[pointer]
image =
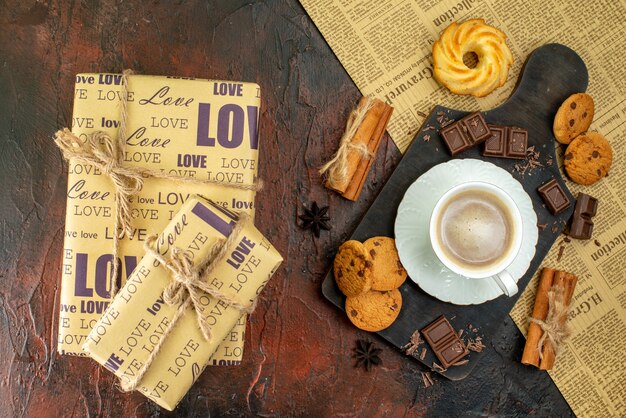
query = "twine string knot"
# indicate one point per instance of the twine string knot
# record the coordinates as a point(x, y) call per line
point(554, 330)
point(337, 168)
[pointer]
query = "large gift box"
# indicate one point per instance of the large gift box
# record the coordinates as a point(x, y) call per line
point(131, 337)
point(177, 126)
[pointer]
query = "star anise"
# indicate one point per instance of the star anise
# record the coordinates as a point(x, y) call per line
point(366, 354)
point(315, 219)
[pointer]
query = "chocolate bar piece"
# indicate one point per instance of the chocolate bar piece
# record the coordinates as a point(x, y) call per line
point(581, 225)
point(465, 133)
point(445, 342)
point(506, 142)
point(554, 196)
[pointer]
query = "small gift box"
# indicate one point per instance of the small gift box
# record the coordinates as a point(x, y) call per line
point(190, 289)
point(139, 147)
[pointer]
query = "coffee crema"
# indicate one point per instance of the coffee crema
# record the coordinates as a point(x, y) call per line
point(474, 230)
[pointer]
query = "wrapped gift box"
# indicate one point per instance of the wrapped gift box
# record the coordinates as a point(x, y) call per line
point(182, 126)
point(126, 335)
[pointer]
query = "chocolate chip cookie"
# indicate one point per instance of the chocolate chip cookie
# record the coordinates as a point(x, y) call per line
point(573, 117)
point(387, 271)
point(353, 268)
point(588, 158)
point(374, 311)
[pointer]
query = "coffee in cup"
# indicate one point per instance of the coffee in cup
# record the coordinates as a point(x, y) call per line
point(476, 231)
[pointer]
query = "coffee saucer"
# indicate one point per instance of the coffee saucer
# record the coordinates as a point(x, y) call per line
point(412, 236)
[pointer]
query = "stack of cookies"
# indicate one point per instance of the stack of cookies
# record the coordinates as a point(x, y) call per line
point(588, 156)
point(369, 274)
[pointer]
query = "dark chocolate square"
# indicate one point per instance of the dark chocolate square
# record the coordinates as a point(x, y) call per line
point(581, 226)
point(465, 133)
point(455, 138)
point(506, 142)
point(444, 341)
point(453, 353)
point(494, 146)
point(477, 128)
point(518, 142)
point(554, 196)
point(586, 205)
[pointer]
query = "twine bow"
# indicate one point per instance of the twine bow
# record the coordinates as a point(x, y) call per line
point(337, 167)
point(106, 153)
point(554, 331)
point(187, 287)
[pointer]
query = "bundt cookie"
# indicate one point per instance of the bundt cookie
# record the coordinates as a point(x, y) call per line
point(489, 45)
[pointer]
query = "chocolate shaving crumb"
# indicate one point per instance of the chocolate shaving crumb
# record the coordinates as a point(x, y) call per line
point(542, 226)
point(414, 343)
point(566, 239)
point(475, 345)
point(423, 354)
point(443, 120)
point(549, 162)
point(555, 229)
point(460, 333)
point(422, 114)
point(426, 138)
point(438, 368)
point(427, 380)
point(446, 122)
point(597, 243)
point(558, 257)
point(531, 162)
point(461, 363)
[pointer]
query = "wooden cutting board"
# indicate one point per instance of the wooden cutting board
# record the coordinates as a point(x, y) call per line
point(551, 74)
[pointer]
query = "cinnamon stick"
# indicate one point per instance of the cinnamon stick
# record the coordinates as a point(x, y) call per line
point(540, 311)
point(383, 112)
point(347, 171)
point(568, 282)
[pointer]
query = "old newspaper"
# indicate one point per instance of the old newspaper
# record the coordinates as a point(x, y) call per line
point(385, 47)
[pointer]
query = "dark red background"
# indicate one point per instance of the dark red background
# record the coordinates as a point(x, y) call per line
point(298, 347)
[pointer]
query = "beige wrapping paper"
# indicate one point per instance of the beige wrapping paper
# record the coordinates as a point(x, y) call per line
point(124, 337)
point(188, 127)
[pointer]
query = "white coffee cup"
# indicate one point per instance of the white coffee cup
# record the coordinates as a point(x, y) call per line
point(476, 231)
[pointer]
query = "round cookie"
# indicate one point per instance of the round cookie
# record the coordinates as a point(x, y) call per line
point(573, 117)
point(387, 271)
point(374, 310)
point(352, 268)
point(588, 158)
